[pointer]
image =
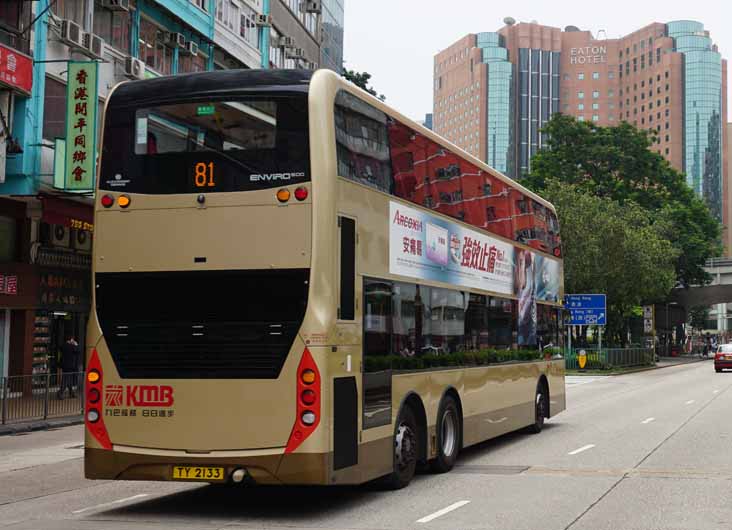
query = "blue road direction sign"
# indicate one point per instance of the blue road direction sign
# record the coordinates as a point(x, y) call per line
point(586, 309)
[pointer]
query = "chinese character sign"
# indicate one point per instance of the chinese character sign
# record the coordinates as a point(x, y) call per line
point(16, 69)
point(81, 125)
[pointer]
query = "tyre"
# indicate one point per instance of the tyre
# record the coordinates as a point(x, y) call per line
point(541, 407)
point(448, 435)
point(406, 450)
point(717, 370)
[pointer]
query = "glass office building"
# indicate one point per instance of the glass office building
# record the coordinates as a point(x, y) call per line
point(331, 48)
point(538, 99)
point(500, 108)
point(702, 111)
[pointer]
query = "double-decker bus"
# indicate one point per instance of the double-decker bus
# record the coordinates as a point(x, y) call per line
point(295, 284)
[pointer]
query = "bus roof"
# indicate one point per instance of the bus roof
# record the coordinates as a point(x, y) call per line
point(201, 85)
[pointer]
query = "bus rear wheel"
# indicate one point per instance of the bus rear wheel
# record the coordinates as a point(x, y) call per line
point(406, 450)
point(541, 407)
point(448, 435)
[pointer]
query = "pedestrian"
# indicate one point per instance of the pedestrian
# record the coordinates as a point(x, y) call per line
point(69, 366)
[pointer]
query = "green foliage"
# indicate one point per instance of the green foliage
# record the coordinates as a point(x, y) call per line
point(361, 80)
point(612, 248)
point(377, 363)
point(698, 315)
point(617, 163)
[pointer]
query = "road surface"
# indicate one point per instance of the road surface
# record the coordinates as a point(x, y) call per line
point(651, 451)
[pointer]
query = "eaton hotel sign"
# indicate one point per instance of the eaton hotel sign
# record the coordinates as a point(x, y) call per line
point(588, 55)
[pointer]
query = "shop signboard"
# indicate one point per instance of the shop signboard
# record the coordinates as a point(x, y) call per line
point(427, 247)
point(81, 125)
point(16, 69)
point(64, 291)
point(8, 284)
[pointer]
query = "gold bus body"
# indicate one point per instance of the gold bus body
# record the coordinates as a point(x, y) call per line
point(234, 423)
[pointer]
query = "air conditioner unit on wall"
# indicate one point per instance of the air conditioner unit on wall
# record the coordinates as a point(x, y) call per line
point(60, 236)
point(81, 239)
point(134, 68)
point(117, 5)
point(263, 20)
point(312, 6)
point(286, 42)
point(72, 34)
point(295, 53)
point(176, 39)
point(191, 48)
point(94, 44)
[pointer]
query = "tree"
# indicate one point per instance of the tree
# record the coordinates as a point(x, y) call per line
point(698, 316)
point(361, 79)
point(612, 248)
point(617, 163)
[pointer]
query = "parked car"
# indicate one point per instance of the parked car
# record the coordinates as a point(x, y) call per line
point(723, 357)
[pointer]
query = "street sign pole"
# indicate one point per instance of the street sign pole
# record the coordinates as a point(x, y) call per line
point(599, 342)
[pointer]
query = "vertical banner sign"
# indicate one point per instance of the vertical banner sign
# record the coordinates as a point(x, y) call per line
point(81, 125)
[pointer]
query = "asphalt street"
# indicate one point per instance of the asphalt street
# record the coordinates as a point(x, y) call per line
point(650, 450)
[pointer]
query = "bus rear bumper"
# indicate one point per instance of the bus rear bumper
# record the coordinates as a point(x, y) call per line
point(290, 469)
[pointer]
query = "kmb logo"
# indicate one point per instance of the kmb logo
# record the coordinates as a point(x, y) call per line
point(139, 395)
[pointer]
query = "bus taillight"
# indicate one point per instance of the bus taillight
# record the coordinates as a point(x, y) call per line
point(307, 416)
point(94, 388)
point(308, 397)
point(301, 193)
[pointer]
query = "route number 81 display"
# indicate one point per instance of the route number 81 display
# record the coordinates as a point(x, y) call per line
point(204, 175)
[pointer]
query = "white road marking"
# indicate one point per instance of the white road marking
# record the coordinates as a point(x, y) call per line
point(118, 501)
point(576, 380)
point(581, 449)
point(439, 513)
point(715, 392)
point(690, 401)
point(648, 420)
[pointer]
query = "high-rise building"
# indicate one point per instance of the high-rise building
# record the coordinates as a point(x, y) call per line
point(331, 47)
point(468, 75)
point(493, 92)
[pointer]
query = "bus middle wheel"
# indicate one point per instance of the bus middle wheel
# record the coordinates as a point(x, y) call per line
point(448, 435)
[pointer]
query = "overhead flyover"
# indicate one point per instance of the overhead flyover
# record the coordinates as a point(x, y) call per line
point(719, 291)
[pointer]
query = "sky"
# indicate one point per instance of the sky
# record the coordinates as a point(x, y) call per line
point(396, 40)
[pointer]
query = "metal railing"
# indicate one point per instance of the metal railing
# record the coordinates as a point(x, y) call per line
point(609, 358)
point(39, 396)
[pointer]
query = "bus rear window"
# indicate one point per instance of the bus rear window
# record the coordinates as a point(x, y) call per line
point(207, 146)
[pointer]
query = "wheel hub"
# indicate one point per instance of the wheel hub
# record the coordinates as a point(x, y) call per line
point(404, 446)
point(448, 433)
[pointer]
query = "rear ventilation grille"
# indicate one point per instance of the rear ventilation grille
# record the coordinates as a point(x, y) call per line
point(207, 325)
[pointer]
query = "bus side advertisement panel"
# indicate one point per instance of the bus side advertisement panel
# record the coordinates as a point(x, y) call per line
point(427, 247)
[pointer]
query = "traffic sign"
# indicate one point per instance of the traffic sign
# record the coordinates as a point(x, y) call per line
point(586, 309)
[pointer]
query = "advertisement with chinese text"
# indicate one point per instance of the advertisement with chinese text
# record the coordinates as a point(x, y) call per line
point(427, 247)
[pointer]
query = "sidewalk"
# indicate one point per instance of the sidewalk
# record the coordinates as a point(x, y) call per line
point(40, 425)
point(663, 362)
